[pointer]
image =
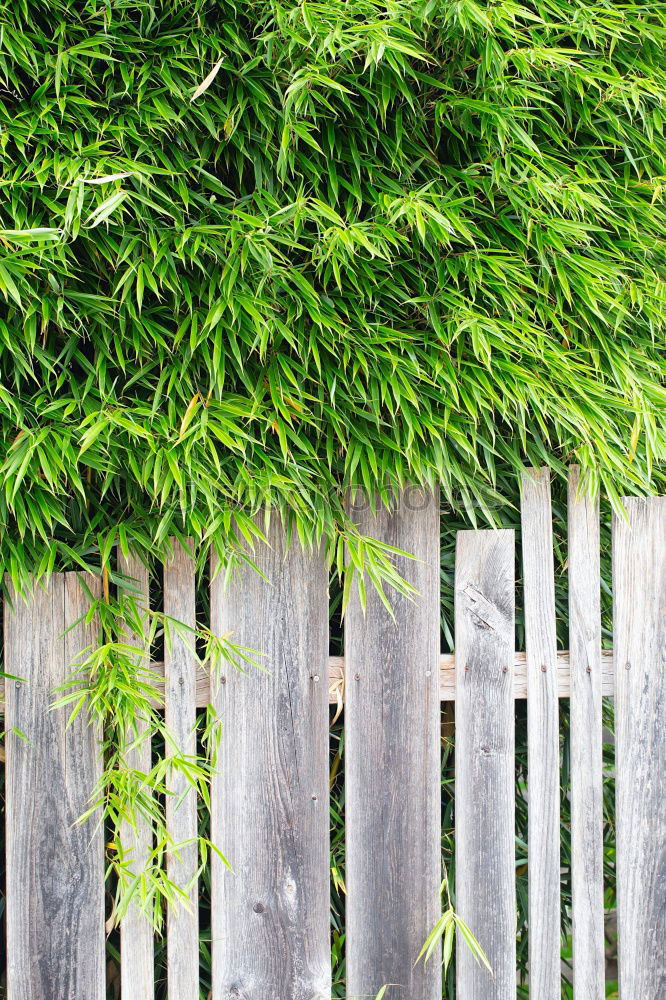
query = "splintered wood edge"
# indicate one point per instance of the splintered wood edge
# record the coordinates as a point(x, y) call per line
point(447, 671)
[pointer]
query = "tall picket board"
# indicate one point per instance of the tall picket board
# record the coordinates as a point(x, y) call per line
point(136, 933)
point(484, 766)
point(543, 736)
point(180, 712)
point(55, 867)
point(269, 812)
point(393, 825)
point(587, 861)
point(639, 635)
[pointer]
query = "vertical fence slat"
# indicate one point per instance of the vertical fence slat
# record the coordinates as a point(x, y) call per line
point(55, 867)
point(543, 737)
point(587, 875)
point(392, 764)
point(270, 802)
point(136, 932)
point(639, 629)
point(485, 755)
point(180, 672)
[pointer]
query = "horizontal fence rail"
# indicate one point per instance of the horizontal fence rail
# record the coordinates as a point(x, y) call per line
point(269, 811)
point(336, 674)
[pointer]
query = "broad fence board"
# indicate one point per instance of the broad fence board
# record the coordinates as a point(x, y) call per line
point(55, 866)
point(392, 762)
point(270, 799)
point(485, 761)
point(639, 635)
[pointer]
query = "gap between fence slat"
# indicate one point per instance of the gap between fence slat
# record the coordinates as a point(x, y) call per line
point(543, 736)
point(639, 627)
point(587, 872)
point(485, 761)
point(392, 764)
point(55, 866)
point(136, 931)
point(180, 667)
point(269, 797)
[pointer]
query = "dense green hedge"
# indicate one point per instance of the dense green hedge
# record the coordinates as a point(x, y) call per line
point(387, 240)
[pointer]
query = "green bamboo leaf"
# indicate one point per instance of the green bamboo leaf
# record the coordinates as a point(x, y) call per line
point(107, 207)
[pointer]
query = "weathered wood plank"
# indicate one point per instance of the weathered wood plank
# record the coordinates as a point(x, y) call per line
point(393, 866)
point(180, 667)
point(485, 727)
point(587, 874)
point(55, 867)
point(270, 800)
point(543, 736)
point(136, 933)
point(639, 610)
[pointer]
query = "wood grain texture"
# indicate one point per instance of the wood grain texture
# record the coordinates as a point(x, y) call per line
point(180, 668)
point(543, 736)
point(639, 626)
point(393, 859)
point(55, 867)
point(485, 756)
point(270, 800)
point(587, 874)
point(136, 932)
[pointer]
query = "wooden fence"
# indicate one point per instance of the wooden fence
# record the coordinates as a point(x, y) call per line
point(270, 799)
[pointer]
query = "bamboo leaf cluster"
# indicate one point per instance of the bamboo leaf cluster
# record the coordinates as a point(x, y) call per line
point(257, 252)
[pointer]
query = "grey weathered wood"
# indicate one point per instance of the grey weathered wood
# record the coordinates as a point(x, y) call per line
point(180, 669)
point(55, 867)
point(543, 737)
point(447, 669)
point(392, 765)
point(639, 627)
point(485, 727)
point(587, 874)
point(270, 800)
point(136, 932)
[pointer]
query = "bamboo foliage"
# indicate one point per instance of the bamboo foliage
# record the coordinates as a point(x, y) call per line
point(255, 252)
